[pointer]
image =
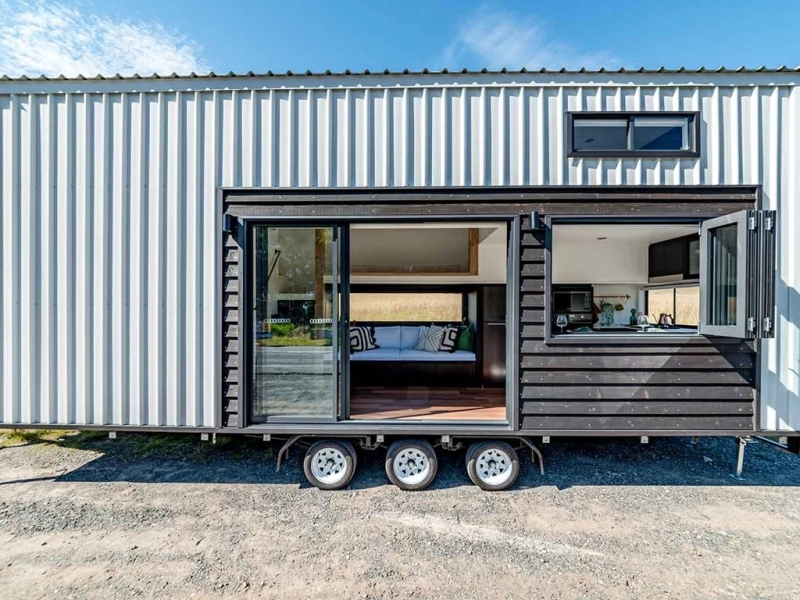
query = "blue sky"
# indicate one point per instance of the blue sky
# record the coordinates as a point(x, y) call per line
point(108, 36)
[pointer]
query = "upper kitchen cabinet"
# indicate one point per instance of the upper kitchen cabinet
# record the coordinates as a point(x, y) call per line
point(677, 259)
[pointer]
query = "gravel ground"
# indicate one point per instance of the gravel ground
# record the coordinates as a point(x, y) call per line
point(168, 516)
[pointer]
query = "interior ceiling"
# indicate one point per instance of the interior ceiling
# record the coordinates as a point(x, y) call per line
point(450, 225)
point(391, 248)
point(635, 234)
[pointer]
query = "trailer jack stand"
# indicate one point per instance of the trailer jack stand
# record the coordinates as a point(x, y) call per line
point(367, 444)
point(449, 444)
point(742, 443)
point(284, 451)
point(535, 453)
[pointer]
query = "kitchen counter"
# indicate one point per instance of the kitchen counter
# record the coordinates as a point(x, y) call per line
point(622, 329)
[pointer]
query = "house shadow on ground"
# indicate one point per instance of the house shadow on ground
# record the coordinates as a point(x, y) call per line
point(569, 462)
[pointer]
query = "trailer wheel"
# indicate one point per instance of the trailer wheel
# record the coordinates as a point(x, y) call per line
point(411, 464)
point(470, 452)
point(492, 466)
point(330, 465)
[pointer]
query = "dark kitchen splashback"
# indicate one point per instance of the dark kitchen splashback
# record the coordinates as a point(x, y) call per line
point(574, 301)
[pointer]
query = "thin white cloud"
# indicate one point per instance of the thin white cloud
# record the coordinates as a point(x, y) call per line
point(495, 39)
point(53, 39)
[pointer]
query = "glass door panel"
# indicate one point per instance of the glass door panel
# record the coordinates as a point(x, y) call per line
point(723, 278)
point(724, 258)
point(295, 335)
point(737, 271)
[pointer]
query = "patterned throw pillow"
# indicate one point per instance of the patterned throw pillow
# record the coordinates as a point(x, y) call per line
point(430, 338)
point(449, 337)
point(466, 338)
point(362, 338)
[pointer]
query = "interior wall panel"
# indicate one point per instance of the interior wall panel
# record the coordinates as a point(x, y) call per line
point(109, 217)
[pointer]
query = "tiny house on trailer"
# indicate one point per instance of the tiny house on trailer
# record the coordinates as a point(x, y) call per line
point(403, 260)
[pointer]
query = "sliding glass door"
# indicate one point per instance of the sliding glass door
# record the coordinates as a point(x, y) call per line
point(294, 295)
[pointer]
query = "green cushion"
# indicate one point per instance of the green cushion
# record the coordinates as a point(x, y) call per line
point(466, 338)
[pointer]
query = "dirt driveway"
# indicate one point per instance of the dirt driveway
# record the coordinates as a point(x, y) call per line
point(168, 516)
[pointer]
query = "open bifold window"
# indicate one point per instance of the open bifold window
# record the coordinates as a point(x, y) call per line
point(737, 275)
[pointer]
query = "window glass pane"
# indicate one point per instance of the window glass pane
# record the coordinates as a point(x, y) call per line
point(651, 133)
point(687, 306)
point(293, 372)
point(409, 308)
point(600, 134)
point(694, 258)
point(660, 301)
point(722, 284)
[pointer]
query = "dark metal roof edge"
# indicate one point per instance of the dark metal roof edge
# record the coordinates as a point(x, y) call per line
point(509, 189)
point(406, 72)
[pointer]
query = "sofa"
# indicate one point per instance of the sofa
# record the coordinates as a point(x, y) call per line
point(397, 342)
point(397, 362)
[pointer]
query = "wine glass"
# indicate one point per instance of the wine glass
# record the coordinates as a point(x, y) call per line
point(642, 321)
point(561, 321)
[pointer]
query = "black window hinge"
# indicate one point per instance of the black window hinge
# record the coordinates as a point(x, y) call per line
point(230, 224)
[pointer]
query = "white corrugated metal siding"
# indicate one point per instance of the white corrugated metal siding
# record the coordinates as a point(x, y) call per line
point(110, 233)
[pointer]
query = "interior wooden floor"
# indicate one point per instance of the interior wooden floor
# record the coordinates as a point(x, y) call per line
point(428, 403)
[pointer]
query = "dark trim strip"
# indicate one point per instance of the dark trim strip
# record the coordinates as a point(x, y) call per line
point(245, 235)
point(498, 194)
point(398, 428)
point(219, 394)
point(348, 429)
point(513, 310)
point(123, 428)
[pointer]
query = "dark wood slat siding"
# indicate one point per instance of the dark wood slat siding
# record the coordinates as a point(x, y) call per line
point(637, 424)
point(651, 362)
point(635, 392)
point(540, 385)
point(691, 384)
point(642, 378)
point(639, 408)
point(230, 331)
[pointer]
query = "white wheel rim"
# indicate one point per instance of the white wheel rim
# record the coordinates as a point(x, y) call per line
point(411, 466)
point(494, 466)
point(329, 465)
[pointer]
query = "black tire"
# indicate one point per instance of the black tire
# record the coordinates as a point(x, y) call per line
point(492, 466)
point(339, 461)
point(417, 459)
point(470, 451)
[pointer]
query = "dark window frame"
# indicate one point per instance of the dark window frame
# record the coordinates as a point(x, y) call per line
point(552, 337)
point(694, 133)
point(247, 282)
point(245, 225)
